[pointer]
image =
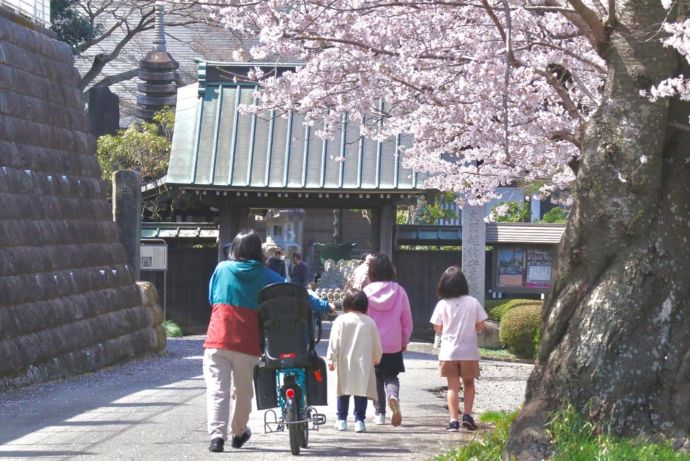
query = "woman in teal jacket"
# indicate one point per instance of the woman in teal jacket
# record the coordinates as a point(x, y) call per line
point(232, 340)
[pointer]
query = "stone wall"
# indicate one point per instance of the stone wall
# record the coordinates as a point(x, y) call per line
point(68, 303)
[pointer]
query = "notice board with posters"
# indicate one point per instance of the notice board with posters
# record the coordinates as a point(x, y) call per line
point(523, 269)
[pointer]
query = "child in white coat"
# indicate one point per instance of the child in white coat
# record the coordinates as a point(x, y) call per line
point(354, 348)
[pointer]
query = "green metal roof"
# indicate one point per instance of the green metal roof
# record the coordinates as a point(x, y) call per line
point(178, 230)
point(215, 146)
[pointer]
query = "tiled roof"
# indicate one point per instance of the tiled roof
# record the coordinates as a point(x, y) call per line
point(215, 145)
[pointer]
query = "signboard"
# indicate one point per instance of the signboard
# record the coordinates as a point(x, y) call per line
point(524, 267)
point(539, 268)
point(154, 257)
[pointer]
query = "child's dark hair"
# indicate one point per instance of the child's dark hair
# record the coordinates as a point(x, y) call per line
point(356, 300)
point(452, 284)
point(381, 268)
point(247, 245)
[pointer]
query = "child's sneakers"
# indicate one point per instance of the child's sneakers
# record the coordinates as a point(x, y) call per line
point(360, 427)
point(379, 418)
point(468, 422)
point(453, 426)
point(396, 417)
point(341, 425)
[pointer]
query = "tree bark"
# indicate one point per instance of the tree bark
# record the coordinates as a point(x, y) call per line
point(616, 336)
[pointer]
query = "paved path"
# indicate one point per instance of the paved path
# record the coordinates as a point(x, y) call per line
point(155, 409)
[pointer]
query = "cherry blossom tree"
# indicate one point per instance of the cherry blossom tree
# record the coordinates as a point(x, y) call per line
point(573, 93)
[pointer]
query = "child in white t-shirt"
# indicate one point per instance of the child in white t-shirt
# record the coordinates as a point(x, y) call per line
point(458, 318)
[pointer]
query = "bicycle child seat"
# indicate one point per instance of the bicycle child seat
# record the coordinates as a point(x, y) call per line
point(285, 320)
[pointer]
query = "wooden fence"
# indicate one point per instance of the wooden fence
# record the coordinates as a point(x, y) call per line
point(190, 269)
point(418, 273)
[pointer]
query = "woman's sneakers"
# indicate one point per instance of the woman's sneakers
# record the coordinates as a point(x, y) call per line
point(379, 418)
point(360, 427)
point(217, 445)
point(396, 417)
point(238, 441)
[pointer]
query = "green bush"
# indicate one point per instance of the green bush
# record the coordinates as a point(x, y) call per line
point(518, 329)
point(555, 215)
point(496, 308)
point(172, 329)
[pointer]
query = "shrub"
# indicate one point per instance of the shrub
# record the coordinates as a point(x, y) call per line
point(555, 215)
point(172, 330)
point(518, 329)
point(496, 308)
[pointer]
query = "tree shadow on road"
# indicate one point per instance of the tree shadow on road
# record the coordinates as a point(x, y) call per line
point(27, 410)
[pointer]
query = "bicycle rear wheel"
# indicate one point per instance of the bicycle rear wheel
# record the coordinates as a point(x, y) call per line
point(295, 428)
point(305, 434)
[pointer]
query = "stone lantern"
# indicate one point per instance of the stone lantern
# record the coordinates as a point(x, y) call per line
point(284, 228)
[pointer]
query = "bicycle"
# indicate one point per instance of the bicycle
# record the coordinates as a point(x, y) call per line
point(289, 375)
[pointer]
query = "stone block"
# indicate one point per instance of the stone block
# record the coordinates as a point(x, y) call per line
point(489, 337)
point(149, 294)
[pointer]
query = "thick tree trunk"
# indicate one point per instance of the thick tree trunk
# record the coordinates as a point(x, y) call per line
point(616, 340)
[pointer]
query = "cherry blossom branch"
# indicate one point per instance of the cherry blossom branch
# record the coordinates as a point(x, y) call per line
point(679, 126)
point(369, 47)
point(508, 63)
point(592, 20)
point(568, 103)
point(504, 36)
point(584, 19)
point(611, 19)
point(563, 135)
point(580, 58)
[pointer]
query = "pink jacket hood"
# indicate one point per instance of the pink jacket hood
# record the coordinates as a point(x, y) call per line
point(389, 306)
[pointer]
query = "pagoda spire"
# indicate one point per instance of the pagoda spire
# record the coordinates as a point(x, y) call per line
point(157, 72)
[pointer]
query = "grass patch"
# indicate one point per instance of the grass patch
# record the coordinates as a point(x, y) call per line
point(576, 440)
point(172, 329)
point(498, 354)
point(490, 445)
point(573, 437)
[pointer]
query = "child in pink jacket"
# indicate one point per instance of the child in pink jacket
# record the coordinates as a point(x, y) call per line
point(390, 309)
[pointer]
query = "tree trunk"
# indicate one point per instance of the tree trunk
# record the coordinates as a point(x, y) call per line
point(616, 339)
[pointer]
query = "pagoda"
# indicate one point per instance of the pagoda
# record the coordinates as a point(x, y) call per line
point(157, 71)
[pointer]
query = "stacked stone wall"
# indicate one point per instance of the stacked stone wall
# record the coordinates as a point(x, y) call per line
point(68, 303)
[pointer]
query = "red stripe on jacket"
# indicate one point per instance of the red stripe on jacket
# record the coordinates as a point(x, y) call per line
point(234, 328)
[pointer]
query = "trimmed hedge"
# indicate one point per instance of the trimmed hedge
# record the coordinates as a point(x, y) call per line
point(519, 328)
point(496, 308)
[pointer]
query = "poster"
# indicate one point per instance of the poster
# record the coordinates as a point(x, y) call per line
point(539, 268)
point(511, 267)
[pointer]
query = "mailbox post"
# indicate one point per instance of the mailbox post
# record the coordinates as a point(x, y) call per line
point(154, 257)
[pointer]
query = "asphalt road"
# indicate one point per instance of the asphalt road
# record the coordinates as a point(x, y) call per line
point(155, 409)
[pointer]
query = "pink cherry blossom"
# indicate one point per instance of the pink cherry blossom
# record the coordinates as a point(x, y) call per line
point(483, 93)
